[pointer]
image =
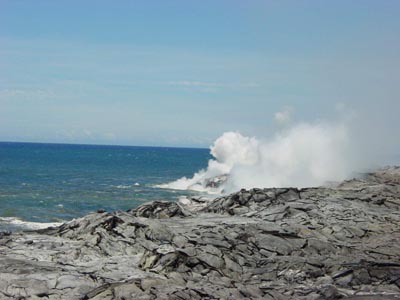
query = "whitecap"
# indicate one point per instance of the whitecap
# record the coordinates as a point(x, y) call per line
point(25, 225)
point(121, 186)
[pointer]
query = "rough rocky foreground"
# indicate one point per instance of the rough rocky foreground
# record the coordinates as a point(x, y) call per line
point(287, 243)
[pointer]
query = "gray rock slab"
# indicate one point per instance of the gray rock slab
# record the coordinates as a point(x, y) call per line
point(337, 242)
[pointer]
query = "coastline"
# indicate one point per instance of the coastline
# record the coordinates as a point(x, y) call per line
point(276, 243)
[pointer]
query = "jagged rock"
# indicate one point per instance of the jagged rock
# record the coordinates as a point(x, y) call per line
point(159, 210)
point(338, 242)
point(217, 181)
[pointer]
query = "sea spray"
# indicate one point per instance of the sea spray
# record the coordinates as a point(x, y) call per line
point(16, 224)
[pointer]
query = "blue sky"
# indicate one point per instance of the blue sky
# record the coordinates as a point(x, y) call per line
point(180, 73)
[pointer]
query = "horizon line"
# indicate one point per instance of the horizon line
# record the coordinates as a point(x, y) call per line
point(109, 145)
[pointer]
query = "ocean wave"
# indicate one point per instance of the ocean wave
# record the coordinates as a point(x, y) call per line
point(16, 223)
point(123, 187)
point(200, 182)
point(126, 186)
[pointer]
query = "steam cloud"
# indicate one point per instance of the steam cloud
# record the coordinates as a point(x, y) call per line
point(304, 155)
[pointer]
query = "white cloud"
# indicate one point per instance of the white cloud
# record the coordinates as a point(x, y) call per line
point(284, 116)
point(210, 86)
point(187, 83)
point(34, 94)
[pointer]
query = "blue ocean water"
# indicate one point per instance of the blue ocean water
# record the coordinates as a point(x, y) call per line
point(59, 182)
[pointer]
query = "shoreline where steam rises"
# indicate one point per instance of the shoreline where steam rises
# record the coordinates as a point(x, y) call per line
point(303, 155)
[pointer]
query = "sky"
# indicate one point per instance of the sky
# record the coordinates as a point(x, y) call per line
point(181, 73)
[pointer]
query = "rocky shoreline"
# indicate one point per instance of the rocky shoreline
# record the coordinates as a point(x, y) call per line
point(313, 243)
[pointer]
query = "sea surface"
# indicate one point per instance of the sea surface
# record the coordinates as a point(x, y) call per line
point(46, 183)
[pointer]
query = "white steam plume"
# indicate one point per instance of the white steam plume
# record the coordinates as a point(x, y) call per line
point(305, 155)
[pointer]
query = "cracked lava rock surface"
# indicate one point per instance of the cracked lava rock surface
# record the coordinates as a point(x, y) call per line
point(277, 243)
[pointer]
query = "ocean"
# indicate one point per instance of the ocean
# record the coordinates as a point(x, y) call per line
point(52, 183)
